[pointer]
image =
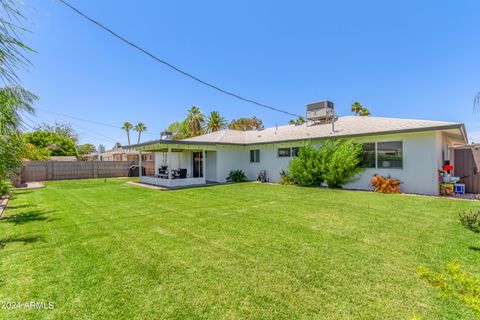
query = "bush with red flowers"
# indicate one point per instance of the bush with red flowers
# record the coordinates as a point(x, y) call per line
point(385, 184)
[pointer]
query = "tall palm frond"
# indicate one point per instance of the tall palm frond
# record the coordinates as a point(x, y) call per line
point(127, 126)
point(13, 101)
point(195, 120)
point(356, 107)
point(12, 50)
point(140, 127)
point(215, 122)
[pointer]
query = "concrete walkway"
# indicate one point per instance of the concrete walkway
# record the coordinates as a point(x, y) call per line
point(31, 185)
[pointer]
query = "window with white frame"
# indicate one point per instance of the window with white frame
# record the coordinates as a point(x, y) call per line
point(284, 152)
point(255, 155)
point(390, 154)
point(383, 155)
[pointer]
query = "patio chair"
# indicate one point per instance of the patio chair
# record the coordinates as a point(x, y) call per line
point(182, 174)
point(162, 173)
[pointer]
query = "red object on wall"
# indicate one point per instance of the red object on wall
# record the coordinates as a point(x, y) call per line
point(447, 167)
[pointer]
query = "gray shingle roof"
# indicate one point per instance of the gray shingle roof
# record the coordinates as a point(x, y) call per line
point(344, 126)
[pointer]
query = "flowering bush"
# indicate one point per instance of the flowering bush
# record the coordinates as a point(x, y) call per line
point(385, 185)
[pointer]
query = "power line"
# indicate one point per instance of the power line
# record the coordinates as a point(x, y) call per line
point(95, 134)
point(91, 121)
point(151, 55)
point(90, 130)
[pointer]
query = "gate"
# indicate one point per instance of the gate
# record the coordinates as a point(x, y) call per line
point(466, 168)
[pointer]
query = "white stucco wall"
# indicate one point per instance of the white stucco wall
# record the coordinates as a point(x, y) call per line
point(230, 158)
point(422, 157)
point(420, 163)
point(211, 166)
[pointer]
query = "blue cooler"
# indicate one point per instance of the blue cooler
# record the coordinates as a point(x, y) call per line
point(459, 188)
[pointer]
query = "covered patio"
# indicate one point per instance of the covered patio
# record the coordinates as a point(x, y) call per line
point(179, 164)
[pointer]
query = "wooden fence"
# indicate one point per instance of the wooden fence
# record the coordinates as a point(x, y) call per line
point(65, 170)
point(466, 169)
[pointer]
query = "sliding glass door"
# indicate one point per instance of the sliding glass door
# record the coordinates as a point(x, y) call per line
point(197, 164)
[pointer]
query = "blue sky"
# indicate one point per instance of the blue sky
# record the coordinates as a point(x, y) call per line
point(403, 59)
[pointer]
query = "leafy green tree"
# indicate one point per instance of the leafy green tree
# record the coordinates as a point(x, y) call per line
point(195, 121)
point(86, 148)
point(62, 129)
point(127, 126)
point(140, 127)
point(246, 124)
point(306, 168)
point(35, 153)
point(56, 144)
point(215, 122)
point(179, 130)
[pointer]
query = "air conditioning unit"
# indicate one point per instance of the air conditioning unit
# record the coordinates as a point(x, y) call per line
point(320, 111)
point(166, 135)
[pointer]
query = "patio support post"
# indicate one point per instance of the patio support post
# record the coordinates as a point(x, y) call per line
point(204, 166)
point(169, 164)
point(140, 164)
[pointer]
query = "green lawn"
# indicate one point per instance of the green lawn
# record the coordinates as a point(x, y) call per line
point(109, 250)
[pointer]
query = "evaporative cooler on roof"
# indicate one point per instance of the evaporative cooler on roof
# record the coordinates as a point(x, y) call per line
point(320, 111)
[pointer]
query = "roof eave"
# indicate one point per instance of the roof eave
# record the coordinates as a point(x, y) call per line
point(166, 143)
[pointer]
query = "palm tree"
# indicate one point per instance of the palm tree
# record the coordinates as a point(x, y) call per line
point(195, 120)
point(299, 120)
point(127, 126)
point(356, 107)
point(360, 110)
point(14, 100)
point(364, 112)
point(140, 127)
point(215, 122)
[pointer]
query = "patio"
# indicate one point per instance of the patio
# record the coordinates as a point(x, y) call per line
point(178, 164)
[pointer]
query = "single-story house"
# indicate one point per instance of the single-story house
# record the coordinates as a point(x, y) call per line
point(407, 149)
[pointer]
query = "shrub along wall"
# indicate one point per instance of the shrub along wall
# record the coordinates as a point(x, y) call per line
point(65, 170)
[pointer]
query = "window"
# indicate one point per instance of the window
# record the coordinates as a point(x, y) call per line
point(390, 154)
point(295, 152)
point(255, 155)
point(284, 152)
point(368, 155)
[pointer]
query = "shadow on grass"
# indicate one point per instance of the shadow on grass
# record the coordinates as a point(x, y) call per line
point(19, 206)
point(29, 216)
point(25, 240)
point(473, 248)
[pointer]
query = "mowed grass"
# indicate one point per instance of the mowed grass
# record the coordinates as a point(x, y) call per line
point(110, 250)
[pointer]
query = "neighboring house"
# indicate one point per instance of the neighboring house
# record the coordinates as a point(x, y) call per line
point(118, 154)
point(410, 150)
